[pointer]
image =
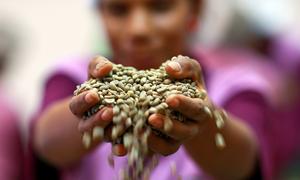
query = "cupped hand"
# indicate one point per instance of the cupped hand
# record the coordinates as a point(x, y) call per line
point(97, 127)
point(193, 109)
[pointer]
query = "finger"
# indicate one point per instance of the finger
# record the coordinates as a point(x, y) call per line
point(93, 128)
point(101, 119)
point(194, 109)
point(119, 150)
point(183, 67)
point(162, 146)
point(178, 131)
point(83, 102)
point(99, 67)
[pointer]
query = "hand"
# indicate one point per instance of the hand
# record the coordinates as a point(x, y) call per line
point(97, 127)
point(192, 108)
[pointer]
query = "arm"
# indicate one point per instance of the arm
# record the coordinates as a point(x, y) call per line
point(242, 147)
point(11, 145)
point(236, 161)
point(56, 137)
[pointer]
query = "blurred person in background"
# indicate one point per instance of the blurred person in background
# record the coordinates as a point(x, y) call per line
point(271, 41)
point(284, 50)
point(11, 154)
point(143, 34)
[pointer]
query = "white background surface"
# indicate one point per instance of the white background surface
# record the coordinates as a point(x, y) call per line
point(49, 31)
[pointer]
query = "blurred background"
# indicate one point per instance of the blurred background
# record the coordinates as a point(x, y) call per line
point(36, 34)
point(39, 33)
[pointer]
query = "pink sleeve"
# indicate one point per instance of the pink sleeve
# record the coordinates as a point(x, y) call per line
point(11, 154)
point(57, 87)
point(252, 108)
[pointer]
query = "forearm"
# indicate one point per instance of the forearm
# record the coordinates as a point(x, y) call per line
point(235, 161)
point(56, 135)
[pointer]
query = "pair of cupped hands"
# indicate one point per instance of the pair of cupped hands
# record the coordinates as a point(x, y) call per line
point(179, 133)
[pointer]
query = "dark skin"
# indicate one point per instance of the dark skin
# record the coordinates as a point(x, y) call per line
point(155, 31)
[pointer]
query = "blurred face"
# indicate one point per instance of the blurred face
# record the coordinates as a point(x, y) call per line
point(144, 33)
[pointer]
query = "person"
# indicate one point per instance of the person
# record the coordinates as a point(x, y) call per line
point(11, 154)
point(279, 47)
point(143, 34)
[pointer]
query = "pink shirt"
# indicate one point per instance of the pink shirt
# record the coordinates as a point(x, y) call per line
point(11, 155)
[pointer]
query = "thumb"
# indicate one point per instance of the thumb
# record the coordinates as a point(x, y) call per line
point(183, 67)
point(99, 67)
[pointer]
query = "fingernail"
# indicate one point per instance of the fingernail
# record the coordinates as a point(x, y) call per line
point(86, 140)
point(98, 133)
point(173, 101)
point(106, 116)
point(175, 66)
point(91, 97)
point(156, 122)
point(117, 150)
point(100, 65)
